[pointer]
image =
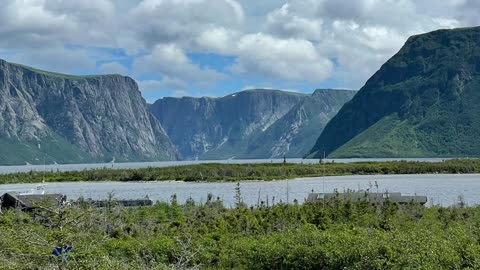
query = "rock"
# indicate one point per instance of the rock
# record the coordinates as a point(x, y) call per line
point(69, 119)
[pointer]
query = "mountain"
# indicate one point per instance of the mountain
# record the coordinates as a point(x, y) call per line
point(423, 102)
point(255, 123)
point(220, 128)
point(295, 133)
point(66, 119)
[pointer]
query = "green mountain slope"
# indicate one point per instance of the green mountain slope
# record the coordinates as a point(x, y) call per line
point(423, 102)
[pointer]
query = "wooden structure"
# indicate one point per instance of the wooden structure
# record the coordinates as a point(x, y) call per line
point(30, 202)
point(376, 198)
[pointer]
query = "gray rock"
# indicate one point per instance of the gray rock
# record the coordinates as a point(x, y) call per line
point(294, 134)
point(249, 124)
point(65, 118)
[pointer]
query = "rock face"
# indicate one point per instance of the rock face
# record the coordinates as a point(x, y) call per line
point(294, 134)
point(64, 119)
point(423, 102)
point(249, 124)
point(220, 128)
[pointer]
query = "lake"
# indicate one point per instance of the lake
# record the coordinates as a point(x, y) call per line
point(442, 189)
point(137, 165)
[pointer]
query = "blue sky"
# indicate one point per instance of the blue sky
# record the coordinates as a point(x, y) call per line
point(216, 47)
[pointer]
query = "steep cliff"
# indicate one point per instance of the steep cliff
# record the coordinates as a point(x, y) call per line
point(423, 102)
point(64, 119)
point(221, 128)
point(294, 134)
point(249, 124)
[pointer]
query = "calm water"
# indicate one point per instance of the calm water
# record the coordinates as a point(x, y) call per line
point(440, 189)
point(136, 165)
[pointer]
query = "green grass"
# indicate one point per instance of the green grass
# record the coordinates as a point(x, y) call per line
point(238, 172)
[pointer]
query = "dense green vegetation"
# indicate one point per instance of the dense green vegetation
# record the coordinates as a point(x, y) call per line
point(331, 235)
point(239, 172)
point(423, 102)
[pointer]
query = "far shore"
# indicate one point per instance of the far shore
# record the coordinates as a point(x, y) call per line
point(229, 172)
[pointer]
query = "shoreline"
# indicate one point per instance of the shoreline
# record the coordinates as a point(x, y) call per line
point(319, 178)
point(6, 169)
point(220, 172)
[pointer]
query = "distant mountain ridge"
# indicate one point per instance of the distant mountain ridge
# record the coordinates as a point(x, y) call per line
point(423, 102)
point(295, 133)
point(72, 119)
point(256, 123)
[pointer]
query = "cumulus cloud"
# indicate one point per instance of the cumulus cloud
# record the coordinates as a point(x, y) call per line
point(285, 23)
point(45, 23)
point(183, 21)
point(291, 59)
point(217, 40)
point(171, 62)
point(72, 61)
point(358, 35)
point(287, 41)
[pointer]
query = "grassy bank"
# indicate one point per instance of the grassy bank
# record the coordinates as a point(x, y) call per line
point(335, 235)
point(239, 172)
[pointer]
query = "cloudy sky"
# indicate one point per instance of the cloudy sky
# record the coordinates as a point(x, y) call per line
point(216, 47)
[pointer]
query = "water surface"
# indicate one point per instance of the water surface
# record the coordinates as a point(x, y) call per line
point(443, 189)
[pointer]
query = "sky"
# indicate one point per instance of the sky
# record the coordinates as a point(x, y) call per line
point(217, 47)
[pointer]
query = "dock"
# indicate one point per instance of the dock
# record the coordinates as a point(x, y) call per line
point(373, 197)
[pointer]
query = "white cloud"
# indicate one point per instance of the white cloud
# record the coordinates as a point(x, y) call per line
point(360, 35)
point(183, 21)
point(218, 40)
point(290, 59)
point(70, 61)
point(171, 62)
point(45, 23)
point(284, 23)
point(290, 40)
point(85, 12)
point(113, 68)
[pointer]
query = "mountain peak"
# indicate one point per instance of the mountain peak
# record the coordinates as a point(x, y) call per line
point(421, 103)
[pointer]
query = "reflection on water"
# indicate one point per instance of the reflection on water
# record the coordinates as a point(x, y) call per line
point(442, 189)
